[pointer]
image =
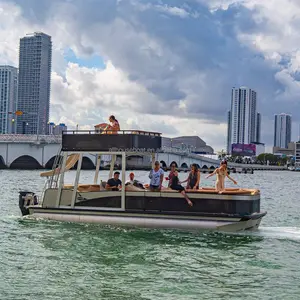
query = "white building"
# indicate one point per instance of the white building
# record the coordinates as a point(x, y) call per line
point(244, 122)
point(282, 130)
point(56, 129)
point(8, 98)
point(35, 59)
point(297, 156)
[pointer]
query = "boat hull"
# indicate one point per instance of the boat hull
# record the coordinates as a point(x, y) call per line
point(224, 224)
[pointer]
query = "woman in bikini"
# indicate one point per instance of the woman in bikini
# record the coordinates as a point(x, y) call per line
point(221, 173)
point(177, 187)
point(114, 126)
point(193, 180)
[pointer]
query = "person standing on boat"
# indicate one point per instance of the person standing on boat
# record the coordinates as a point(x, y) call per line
point(221, 173)
point(114, 184)
point(157, 176)
point(178, 187)
point(193, 181)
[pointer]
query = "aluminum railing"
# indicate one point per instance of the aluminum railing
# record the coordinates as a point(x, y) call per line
point(30, 138)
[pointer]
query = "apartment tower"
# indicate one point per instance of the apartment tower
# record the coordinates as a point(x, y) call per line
point(34, 83)
point(282, 130)
point(8, 99)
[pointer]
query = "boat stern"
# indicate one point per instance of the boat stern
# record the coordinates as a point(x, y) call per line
point(27, 199)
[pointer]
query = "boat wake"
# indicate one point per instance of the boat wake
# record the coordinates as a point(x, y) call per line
point(290, 233)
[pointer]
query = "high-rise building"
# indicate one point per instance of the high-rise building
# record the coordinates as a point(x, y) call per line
point(243, 120)
point(228, 132)
point(34, 83)
point(258, 127)
point(282, 130)
point(8, 99)
point(57, 129)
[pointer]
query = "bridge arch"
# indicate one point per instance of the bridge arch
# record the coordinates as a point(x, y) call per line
point(184, 165)
point(50, 162)
point(87, 164)
point(2, 163)
point(212, 167)
point(205, 167)
point(25, 162)
point(163, 164)
point(175, 163)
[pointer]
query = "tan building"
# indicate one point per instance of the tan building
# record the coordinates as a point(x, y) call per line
point(193, 143)
point(287, 151)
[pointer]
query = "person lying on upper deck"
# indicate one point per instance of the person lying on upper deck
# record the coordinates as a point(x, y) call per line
point(193, 180)
point(114, 184)
point(178, 187)
point(157, 176)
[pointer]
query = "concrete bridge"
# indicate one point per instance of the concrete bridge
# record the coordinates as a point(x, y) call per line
point(39, 152)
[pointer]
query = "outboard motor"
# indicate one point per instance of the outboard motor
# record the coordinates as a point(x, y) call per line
point(26, 199)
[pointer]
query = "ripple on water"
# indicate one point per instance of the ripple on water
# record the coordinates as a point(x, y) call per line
point(53, 260)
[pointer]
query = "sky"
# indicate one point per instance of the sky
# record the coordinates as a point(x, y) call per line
point(165, 66)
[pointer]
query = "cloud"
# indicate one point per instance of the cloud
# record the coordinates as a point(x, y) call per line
point(168, 67)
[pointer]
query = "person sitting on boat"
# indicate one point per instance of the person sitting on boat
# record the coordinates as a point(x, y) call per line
point(221, 173)
point(175, 185)
point(134, 182)
point(114, 126)
point(131, 179)
point(171, 174)
point(114, 184)
point(157, 176)
point(193, 180)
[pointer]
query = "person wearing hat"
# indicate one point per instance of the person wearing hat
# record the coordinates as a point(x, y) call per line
point(134, 182)
point(131, 179)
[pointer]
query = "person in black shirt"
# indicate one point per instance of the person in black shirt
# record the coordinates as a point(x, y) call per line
point(178, 187)
point(114, 184)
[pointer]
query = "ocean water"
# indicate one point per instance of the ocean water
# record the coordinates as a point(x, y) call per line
point(53, 260)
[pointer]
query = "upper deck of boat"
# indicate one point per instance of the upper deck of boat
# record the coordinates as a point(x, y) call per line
point(122, 140)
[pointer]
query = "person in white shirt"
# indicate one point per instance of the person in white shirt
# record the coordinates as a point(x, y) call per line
point(157, 176)
point(131, 179)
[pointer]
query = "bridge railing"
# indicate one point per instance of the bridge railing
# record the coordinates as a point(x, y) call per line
point(30, 138)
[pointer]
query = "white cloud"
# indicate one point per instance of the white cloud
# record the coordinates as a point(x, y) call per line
point(170, 74)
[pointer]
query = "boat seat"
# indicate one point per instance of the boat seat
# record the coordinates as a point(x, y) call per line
point(84, 187)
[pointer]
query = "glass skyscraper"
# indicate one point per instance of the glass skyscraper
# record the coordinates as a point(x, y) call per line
point(34, 83)
point(244, 123)
point(8, 98)
point(282, 130)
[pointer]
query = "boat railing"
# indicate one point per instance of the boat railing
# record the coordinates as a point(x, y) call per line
point(120, 132)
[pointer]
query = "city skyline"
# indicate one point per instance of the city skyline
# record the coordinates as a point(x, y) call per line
point(35, 59)
point(149, 80)
point(8, 98)
point(282, 130)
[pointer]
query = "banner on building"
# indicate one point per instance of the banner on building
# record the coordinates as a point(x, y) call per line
point(243, 149)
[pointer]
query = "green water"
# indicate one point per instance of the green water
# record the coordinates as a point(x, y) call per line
point(53, 260)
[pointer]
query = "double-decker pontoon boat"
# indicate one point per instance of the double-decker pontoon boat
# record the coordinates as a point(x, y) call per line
point(233, 210)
